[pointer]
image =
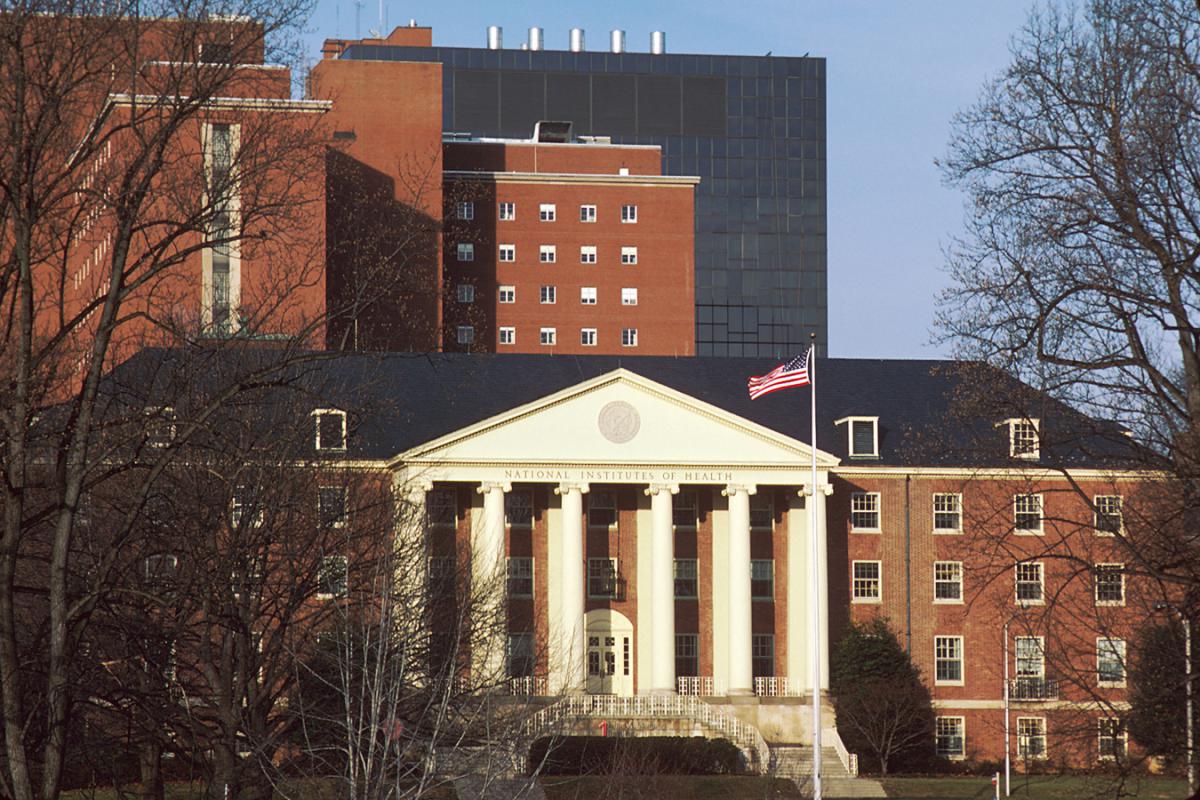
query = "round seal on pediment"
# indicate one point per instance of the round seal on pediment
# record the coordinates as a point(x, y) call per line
point(619, 422)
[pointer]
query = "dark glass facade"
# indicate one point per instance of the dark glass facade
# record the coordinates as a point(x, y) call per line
point(752, 128)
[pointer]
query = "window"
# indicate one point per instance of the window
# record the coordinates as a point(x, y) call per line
point(245, 504)
point(628, 255)
point(246, 580)
point(628, 213)
point(216, 53)
point(1110, 584)
point(587, 254)
point(629, 296)
point(160, 427)
point(220, 305)
point(602, 577)
point(1031, 660)
point(508, 212)
point(867, 583)
point(466, 293)
point(1031, 582)
point(331, 506)
point(520, 577)
point(602, 509)
point(547, 212)
point(547, 253)
point(1031, 737)
point(466, 252)
point(587, 295)
point(1027, 514)
point(947, 582)
point(684, 511)
point(1109, 521)
point(950, 737)
point(587, 337)
point(864, 511)
point(508, 335)
point(629, 337)
point(464, 209)
point(521, 660)
point(686, 580)
point(518, 509)
point(441, 574)
point(762, 579)
point(548, 336)
point(334, 577)
point(687, 655)
point(762, 512)
point(508, 294)
point(1114, 739)
point(508, 252)
point(1110, 662)
point(948, 660)
point(330, 429)
point(1023, 438)
point(160, 568)
point(548, 295)
point(947, 513)
point(441, 507)
point(465, 334)
point(762, 650)
point(863, 434)
point(587, 213)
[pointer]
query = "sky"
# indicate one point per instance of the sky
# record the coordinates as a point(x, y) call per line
point(896, 74)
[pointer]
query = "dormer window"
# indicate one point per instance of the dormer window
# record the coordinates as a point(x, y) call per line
point(863, 433)
point(1024, 438)
point(160, 427)
point(330, 429)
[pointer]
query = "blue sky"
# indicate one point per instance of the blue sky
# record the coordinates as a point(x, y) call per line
point(897, 72)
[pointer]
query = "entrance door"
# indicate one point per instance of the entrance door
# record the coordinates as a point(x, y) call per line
point(609, 654)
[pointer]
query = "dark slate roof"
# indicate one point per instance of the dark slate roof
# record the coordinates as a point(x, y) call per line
point(926, 408)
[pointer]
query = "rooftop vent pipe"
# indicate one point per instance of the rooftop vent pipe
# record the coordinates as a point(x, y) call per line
point(658, 42)
point(535, 38)
point(616, 41)
point(576, 40)
point(495, 37)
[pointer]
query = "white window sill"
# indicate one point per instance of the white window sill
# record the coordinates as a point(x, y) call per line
point(866, 601)
point(1029, 532)
point(947, 531)
point(1111, 684)
point(949, 683)
point(1110, 603)
point(866, 530)
point(1028, 603)
point(946, 602)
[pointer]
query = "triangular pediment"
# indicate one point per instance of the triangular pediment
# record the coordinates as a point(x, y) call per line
point(618, 418)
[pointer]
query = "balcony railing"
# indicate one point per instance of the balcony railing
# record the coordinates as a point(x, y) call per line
point(776, 687)
point(1031, 689)
point(699, 686)
point(535, 686)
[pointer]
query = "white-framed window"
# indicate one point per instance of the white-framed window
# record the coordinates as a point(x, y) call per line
point(518, 509)
point(950, 737)
point(464, 209)
point(587, 295)
point(1030, 654)
point(547, 212)
point(330, 429)
point(629, 337)
point(465, 293)
point(246, 504)
point(587, 213)
point(465, 334)
point(507, 252)
point(1110, 584)
point(1023, 438)
point(508, 335)
point(867, 582)
point(1110, 662)
point(603, 580)
point(508, 211)
point(1031, 737)
point(547, 253)
point(548, 295)
point(762, 654)
point(947, 582)
point(587, 337)
point(548, 336)
point(687, 654)
point(602, 509)
point(1109, 521)
point(333, 507)
point(1113, 744)
point(520, 576)
point(334, 576)
point(1027, 514)
point(687, 581)
point(864, 511)
point(947, 512)
point(628, 213)
point(948, 660)
point(762, 579)
point(863, 435)
point(629, 296)
point(520, 655)
point(587, 254)
point(685, 511)
point(762, 512)
point(465, 251)
point(628, 255)
point(508, 293)
point(160, 568)
point(441, 507)
point(1031, 583)
point(159, 425)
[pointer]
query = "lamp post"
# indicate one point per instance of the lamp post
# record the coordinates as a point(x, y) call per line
point(1187, 674)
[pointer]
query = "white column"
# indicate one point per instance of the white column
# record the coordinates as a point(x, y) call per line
point(571, 623)
point(741, 665)
point(799, 658)
point(662, 595)
point(488, 583)
point(822, 567)
point(410, 554)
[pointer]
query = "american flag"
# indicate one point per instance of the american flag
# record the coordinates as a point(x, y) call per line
point(792, 373)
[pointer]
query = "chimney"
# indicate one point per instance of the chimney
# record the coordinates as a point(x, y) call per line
point(495, 37)
point(535, 38)
point(576, 40)
point(658, 42)
point(616, 41)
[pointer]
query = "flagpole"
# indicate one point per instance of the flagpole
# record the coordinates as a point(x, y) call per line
point(815, 588)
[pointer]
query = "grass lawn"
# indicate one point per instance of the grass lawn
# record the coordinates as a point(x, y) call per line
point(1038, 787)
point(669, 787)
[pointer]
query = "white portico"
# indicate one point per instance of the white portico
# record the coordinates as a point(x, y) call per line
point(575, 449)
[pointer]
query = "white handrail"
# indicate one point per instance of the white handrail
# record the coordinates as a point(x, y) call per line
point(849, 760)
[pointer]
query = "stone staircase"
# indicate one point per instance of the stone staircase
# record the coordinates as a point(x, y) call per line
point(795, 762)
